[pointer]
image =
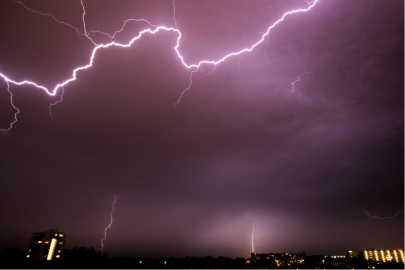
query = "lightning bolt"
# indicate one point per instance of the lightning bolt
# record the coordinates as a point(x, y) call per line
point(50, 15)
point(109, 225)
point(15, 108)
point(253, 238)
point(209, 73)
point(53, 104)
point(298, 78)
point(86, 33)
point(193, 67)
point(174, 14)
point(377, 217)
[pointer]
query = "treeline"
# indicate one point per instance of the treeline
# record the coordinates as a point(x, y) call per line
point(81, 257)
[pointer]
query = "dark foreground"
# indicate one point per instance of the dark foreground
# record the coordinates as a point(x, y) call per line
point(90, 259)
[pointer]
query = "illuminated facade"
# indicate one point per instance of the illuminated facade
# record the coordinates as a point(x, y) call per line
point(280, 259)
point(46, 245)
point(383, 255)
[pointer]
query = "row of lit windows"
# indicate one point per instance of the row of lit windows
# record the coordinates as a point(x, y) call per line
point(47, 242)
point(57, 251)
point(41, 234)
point(384, 255)
point(57, 256)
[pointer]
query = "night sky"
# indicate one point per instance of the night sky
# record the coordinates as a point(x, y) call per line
point(244, 146)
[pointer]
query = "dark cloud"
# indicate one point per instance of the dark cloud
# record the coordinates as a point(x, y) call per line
point(240, 148)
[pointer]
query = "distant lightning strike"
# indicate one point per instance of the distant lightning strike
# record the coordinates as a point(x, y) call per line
point(86, 33)
point(253, 238)
point(109, 225)
point(377, 217)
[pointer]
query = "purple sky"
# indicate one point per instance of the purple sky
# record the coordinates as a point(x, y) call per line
point(242, 147)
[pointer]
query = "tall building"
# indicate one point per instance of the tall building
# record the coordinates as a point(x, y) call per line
point(383, 255)
point(351, 254)
point(46, 245)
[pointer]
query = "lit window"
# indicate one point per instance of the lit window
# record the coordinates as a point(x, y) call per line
point(140, 261)
point(57, 256)
point(60, 243)
point(46, 242)
point(56, 235)
point(58, 251)
point(39, 242)
point(28, 256)
point(61, 235)
point(51, 249)
point(29, 250)
point(165, 262)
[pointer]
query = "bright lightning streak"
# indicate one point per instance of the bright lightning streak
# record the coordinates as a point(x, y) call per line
point(253, 238)
point(109, 225)
point(195, 67)
point(377, 217)
point(53, 104)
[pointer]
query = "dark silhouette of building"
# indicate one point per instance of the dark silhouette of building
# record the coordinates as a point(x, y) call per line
point(46, 245)
point(351, 254)
point(277, 259)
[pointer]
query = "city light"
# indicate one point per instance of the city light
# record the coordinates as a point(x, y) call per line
point(51, 249)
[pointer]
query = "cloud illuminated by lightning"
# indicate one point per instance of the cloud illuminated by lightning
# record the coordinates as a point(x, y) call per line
point(377, 217)
point(194, 67)
point(109, 225)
